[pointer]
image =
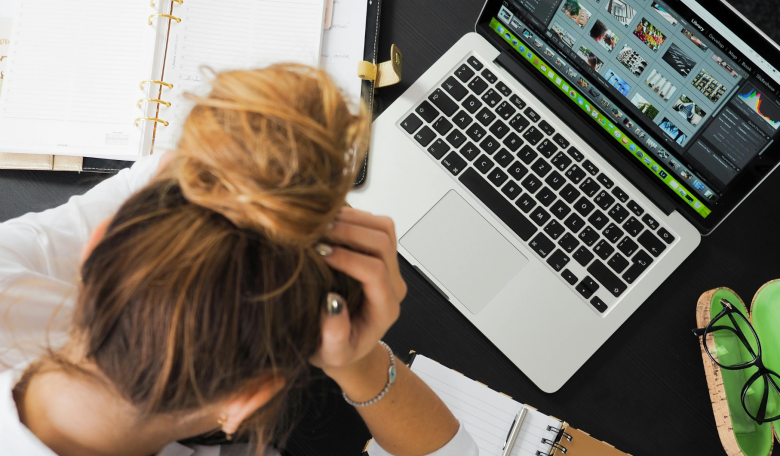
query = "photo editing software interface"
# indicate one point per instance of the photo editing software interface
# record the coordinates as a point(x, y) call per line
point(680, 98)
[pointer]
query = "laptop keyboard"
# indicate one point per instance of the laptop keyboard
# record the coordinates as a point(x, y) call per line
point(570, 213)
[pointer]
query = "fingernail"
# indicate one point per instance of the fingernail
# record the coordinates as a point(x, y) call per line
point(335, 304)
point(323, 250)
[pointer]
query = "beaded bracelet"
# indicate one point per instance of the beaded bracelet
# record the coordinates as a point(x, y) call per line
point(391, 376)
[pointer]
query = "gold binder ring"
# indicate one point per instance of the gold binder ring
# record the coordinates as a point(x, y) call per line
point(152, 119)
point(162, 83)
point(173, 18)
point(153, 100)
point(177, 1)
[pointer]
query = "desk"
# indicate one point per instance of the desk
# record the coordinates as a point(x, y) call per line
point(644, 391)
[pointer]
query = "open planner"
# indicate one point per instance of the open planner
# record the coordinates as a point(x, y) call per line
point(489, 415)
point(107, 79)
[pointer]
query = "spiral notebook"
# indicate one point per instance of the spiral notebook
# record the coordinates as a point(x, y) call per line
point(111, 75)
point(489, 415)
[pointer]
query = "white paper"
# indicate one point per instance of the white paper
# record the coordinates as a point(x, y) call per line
point(344, 44)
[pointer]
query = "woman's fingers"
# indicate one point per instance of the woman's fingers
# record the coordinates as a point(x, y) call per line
point(336, 348)
point(377, 222)
point(363, 239)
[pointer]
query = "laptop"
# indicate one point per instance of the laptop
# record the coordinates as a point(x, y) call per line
point(553, 168)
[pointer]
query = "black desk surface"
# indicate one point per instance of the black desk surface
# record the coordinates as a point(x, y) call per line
point(644, 391)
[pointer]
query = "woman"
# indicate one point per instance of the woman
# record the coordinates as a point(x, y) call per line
point(205, 292)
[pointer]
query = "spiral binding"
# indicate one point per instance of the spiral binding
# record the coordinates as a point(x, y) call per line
point(152, 119)
point(169, 16)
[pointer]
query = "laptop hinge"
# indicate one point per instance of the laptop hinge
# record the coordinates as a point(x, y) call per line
point(586, 131)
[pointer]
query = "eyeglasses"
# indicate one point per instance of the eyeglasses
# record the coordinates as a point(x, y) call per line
point(733, 338)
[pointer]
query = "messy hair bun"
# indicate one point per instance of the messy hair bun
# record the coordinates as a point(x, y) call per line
point(274, 150)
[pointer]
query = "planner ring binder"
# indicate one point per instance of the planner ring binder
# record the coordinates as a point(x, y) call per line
point(177, 1)
point(151, 119)
point(153, 100)
point(162, 83)
point(169, 16)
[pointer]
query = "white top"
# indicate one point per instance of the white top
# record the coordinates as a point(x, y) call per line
point(39, 265)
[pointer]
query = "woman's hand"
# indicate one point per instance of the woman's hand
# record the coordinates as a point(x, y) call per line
point(370, 256)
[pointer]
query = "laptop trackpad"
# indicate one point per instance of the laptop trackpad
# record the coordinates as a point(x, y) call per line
point(464, 252)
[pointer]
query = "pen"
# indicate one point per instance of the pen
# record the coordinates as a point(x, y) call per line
point(514, 431)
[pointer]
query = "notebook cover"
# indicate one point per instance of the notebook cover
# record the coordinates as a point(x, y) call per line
point(370, 54)
point(582, 444)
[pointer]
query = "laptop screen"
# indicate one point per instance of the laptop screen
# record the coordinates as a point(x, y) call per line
point(690, 105)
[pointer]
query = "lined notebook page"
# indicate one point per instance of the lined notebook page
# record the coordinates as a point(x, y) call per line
point(240, 34)
point(72, 80)
point(343, 46)
point(486, 414)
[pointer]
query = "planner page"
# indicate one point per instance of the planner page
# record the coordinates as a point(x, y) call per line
point(236, 35)
point(343, 46)
point(71, 84)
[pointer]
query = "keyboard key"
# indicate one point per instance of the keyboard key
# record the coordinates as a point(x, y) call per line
point(462, 120)
point(486, 116)
point(478, 85)
point(541, 167)
point(474, 62)
point(454, 163)
point(554, 229)
point(541, 245)
point(517, 170)
point(476, 132)
point(442, 125)
point(574, 223)
point(618, 263)
point(499, 129)
point(561, 141)
point(547, 148)
point(472, 104)
point(635, 208)
point(590, 187)
point(427, 111)
point(568, 242)
point(569, 277)
point(545, 197)
point(531, 114)
point(627, 246)
point(603, 250)
point(575, 154)
point(489, 76)
point(525, 203)
point(504, 158)
point(504, 89)
point(533, 136)
point(496, 202)
point(560, 210)
point(598, 304)
point(558, 260)
point(598, 220)
point(666, 236)
point(527, 154)
point(637, 268)
point(439, 148)
point(612, 233)
point(411, 124)
point(511, 190)
point(590, 167)
point(505, 110)
point(513, 142)
point(555, 181)
point(443, 102)
point(589, 236)
point(633, 226)
point(587, 287)
point(483, 164)
point(519, 123)
point(607, 278)
point(584, 206)
point(605, 181)
point(618, 213)
point(469, 151)
point(532, 184)
point(547, 128)
point(497, 177)
point(540, 216)
point(425, 136)
point(570, 193)
point(517, 101)
point(561, 161)
point(642, 258)
point(455, 88)
point(575, 174)
point(620, 194)
point(464, 73)
point(651, 243)
point(650, 222)
point(492, 98)
point(490, 145)
point(456, 138)
point(604, 200)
